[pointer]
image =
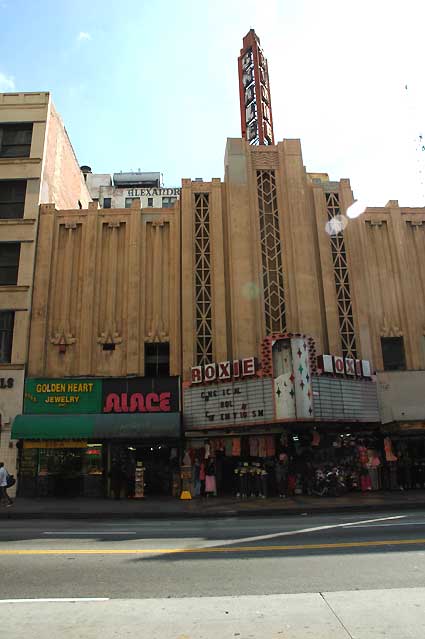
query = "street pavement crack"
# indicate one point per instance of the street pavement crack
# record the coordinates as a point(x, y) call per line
point(336, 616)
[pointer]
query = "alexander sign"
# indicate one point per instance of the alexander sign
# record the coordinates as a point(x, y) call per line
point(151, 192)
point(224, 371)
point(344, 366)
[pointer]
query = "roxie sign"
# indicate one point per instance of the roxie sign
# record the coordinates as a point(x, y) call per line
point(344, 366)
point(224, 371)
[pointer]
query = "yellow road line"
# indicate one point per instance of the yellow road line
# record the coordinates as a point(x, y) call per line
point(228, 549)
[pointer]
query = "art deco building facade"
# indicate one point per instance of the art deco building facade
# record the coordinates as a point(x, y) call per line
point(256, 250)
point(253, 276)
point(107, 286)
point(241, 318)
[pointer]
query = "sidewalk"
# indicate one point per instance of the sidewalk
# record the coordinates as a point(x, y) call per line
point(167, 508)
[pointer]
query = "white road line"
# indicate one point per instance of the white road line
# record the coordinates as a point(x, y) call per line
point(372, 521)
point(402, 523)
point(54, 599)
point(288, 533)
point(93, 532)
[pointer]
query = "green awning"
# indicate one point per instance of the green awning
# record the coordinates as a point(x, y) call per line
point(98, 426)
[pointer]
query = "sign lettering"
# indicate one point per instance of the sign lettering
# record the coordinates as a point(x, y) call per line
point(109, 395)
point(151, 192)
point(224, 370)
point(141, 395)
point(137, 403)
point(339, 365)
point(63, 395)
point(229, 403)
point(344, 366)
point(6, 382)
point(349, 366)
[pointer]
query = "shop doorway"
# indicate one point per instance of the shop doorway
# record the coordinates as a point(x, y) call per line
point(160, 464)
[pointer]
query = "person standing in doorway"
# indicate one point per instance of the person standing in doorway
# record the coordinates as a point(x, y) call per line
point(210, 482)
point(281, 473)
point(3, 486)
point(118, 477)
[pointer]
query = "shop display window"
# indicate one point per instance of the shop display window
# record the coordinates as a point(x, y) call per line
point(66, 462)
point(93, 460)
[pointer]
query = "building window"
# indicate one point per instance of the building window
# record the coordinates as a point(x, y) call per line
point(128, 202)
point(106, 202)
point(271, 253)
point(341, 277)
point(168, 202)
point(12, 198)
point(203, 284)
point(15, 140)
point(150, 201)
point(157, 359)
point(393, 353)
point(6, 336)
point(9, 263)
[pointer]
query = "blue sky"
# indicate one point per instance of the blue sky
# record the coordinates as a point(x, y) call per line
point(153, 84)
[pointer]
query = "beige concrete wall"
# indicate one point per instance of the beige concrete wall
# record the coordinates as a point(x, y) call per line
point(62, 181)
point(219, 314)
point(390, 279)
point(104, 276)
point(242, 251)
point(304, 251)
point(400, 396)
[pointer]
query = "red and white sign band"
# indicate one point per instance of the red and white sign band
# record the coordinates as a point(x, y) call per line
point(223, 371)
point(337, 365)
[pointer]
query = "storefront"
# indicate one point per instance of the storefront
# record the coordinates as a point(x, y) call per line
point(11, 392)
point(96, 437)
point(249, 424)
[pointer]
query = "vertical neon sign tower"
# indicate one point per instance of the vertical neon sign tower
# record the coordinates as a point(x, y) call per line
point(254, 92)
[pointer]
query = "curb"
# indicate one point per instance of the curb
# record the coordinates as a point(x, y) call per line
point(212, 514)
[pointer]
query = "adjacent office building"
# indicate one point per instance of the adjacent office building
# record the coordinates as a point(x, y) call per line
point(37, 164)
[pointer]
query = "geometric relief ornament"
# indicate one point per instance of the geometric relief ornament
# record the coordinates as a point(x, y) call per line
point(342, 280)
point(271, 253)
point(203, 287)
point(62, 335)
point(109, 333)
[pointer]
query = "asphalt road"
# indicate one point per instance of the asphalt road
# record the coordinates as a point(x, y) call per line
point(244, 560)
point(212, 557)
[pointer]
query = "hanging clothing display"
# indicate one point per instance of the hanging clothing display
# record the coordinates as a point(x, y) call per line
point(228, 447)
point(270, 446)
point(262, 447)
point(315, 438)
point(236, 447)
point(253, 446)
point(388, 447)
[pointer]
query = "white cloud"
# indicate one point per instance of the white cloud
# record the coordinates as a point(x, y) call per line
point(83, 35)
point(7, 82)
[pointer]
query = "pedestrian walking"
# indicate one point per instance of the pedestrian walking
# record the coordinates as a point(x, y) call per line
point(4, 476)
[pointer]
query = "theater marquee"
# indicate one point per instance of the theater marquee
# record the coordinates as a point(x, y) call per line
point(228, 404)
